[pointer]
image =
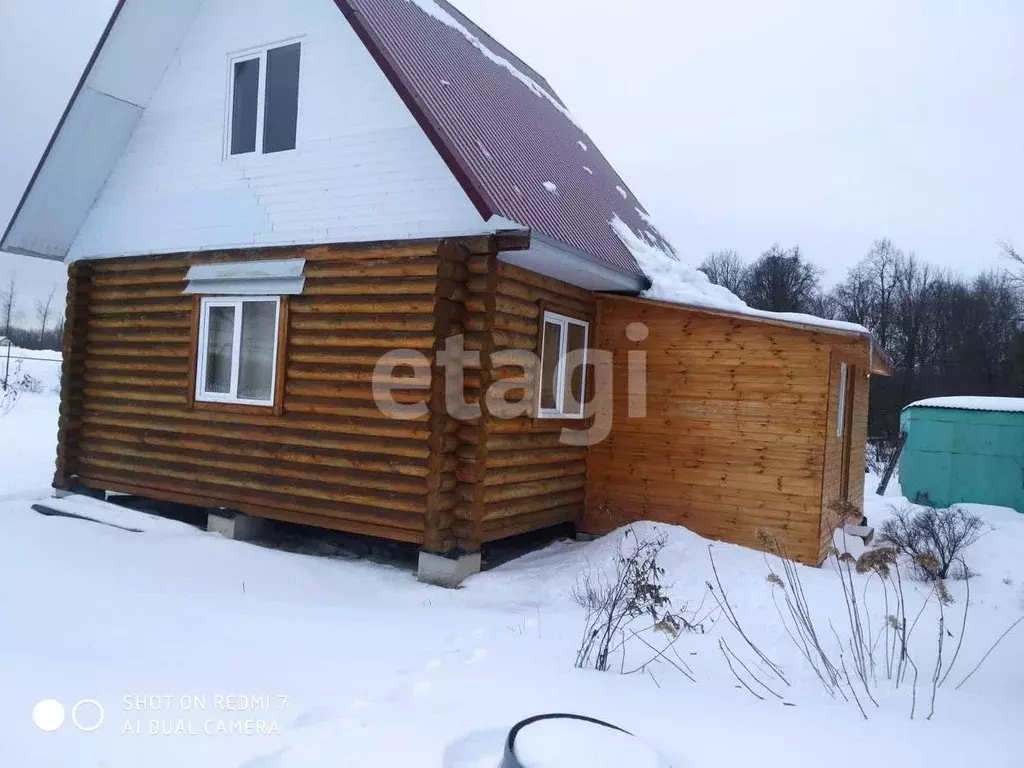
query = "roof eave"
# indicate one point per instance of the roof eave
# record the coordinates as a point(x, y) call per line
point(53, 139)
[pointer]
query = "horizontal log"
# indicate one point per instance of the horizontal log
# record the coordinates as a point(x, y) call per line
point(161, 380)
point(414, 267)
point(511, 272)
point(173, 351)
point(170, 395)
point(295, 465)
point(311, 394)
point(398, 526)
point(509, 475)
point(497, 494)
point(337, 407)
point(98, 282)
point(145, 365)
point(493, 530)
point(380, 427)
point(361, 305)
point(287, 431)
point(137, 292)
point(505, 509)
point(307, 455)
point(326, 372)
point(172, 320)
point(364, 339)
point(503, 304)
point(140, 306)
point(347, 384)
point(378, 500)
point(379, 286)
point(518, 458)
point(357, 357)
point(370, 322)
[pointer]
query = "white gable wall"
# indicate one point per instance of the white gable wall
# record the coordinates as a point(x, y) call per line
point(363, 169)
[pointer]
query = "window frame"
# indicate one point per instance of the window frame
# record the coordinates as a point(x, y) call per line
point(204, 304)
point(844, 374)
point(259, 53)
point(548, 317)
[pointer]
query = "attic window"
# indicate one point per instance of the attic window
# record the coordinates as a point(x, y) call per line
point(264, 100)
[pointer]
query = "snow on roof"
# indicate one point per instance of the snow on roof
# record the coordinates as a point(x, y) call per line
point(497, 98)
point(675, 282)
point(551, 187)
point(970, 403)
point(433, 9)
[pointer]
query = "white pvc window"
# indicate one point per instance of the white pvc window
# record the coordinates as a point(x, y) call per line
point(563, 367)
point(841, 419)
point(238, 350)
point(263, 100)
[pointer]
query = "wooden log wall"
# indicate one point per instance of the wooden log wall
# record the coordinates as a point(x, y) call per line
point(331, 458)
point(515, 474)
point(734, 436)
point(76, 326)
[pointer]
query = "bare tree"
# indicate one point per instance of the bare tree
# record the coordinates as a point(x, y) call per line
point(782, 281)
point(43, 312)
point(8, 298)
point(1015, 256)
point(725, 268)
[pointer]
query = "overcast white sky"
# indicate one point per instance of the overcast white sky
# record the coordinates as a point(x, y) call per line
point(738, 123)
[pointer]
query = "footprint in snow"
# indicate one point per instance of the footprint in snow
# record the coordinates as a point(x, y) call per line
point(478, 655)
point(421, 688)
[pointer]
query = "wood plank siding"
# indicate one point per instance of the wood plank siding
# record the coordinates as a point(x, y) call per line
point(330, 458)
point(832, 471)
point(734, 437)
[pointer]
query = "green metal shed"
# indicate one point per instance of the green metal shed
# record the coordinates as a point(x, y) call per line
point(964, 449)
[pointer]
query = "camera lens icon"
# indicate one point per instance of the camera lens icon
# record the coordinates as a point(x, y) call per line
point(49, 715)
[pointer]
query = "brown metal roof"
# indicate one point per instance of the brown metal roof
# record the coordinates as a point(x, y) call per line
point(504, 142)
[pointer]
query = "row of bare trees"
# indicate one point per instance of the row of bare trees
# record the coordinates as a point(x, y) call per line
point(44, 332)
point(945, 334)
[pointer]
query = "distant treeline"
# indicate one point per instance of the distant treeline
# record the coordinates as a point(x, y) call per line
point(45, 332)
point(945, 334)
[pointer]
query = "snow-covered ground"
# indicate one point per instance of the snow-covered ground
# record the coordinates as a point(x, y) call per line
point(354, 663)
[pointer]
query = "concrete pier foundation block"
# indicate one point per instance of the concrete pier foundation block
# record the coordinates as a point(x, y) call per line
point(233, 525)
point(447, 570)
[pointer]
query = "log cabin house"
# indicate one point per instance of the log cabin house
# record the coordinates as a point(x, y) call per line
point(259, 201)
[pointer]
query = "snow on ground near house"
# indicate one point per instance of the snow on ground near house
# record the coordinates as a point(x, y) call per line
point(379, 670)
point(1007, 404)
point(28, 434)
point(674, 281)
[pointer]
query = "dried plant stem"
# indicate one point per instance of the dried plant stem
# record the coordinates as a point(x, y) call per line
point(938, 660)
point(721, 644)
point(997, 642)
point(727, 610)
point(963, 629)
